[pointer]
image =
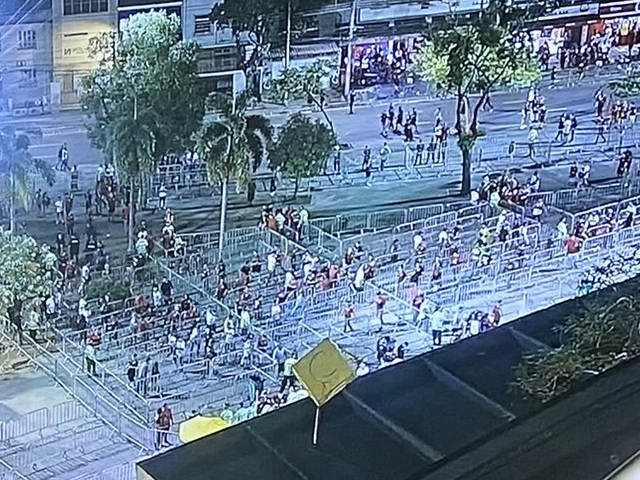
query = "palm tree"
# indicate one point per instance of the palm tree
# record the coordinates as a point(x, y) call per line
point(232, 145)
point(132, 141)
point(17, 171)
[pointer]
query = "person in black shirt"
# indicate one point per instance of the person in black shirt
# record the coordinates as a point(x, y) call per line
point(166, 288)
point(88, 202)
point(60, 244)
point(74, 248)
point(185, 305)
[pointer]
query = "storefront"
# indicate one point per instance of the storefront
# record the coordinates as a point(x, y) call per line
point(380, 60)
point(619, 21)
point(564, 27)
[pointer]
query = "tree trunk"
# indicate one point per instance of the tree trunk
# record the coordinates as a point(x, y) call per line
point(12, 207)
point(296, 186)
point(466, 170)
point(131, 217)
point(223, 216)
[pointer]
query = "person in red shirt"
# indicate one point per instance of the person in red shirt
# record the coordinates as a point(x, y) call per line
point(380, 302)
point(573, 244)
point(497, 313)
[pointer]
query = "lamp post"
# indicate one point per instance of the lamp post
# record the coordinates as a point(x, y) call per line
point(352, 30)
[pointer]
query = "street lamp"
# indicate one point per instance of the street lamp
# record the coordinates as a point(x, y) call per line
point(352, 30)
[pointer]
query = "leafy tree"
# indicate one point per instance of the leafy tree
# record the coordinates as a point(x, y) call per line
point(18, 170)
point(464, 57)
point(232, 145)
point(626, 87)
point(303, 84)
point(26, 271)
point(605, 334)
point(145, 100)
point(117, 288)
point(258, 24)
point(303, 148)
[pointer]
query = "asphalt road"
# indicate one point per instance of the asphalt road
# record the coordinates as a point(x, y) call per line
point(501, 125)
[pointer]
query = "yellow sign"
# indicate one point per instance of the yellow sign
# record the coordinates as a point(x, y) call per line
point(324, 372)
point(198, 427)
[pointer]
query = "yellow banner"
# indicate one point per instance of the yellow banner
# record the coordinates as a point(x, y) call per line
point(324, 372)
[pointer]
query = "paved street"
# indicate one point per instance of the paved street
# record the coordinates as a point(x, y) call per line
point(501, 126)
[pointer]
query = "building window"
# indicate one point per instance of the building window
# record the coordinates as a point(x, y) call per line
point(28, 78)
point(203, 25)
point(26, 39)
point(75, 7)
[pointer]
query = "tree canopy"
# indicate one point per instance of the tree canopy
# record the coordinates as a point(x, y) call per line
point(260, 22)
point(18, 170)
point(149, 75)
point(626, 87)
point(604, 333)
point(464, 57)
point(303, 148)
point(303, 83)
point(233, 143)
point(25, 270)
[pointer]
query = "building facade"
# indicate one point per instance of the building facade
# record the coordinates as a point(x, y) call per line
point(219, 56)
point(25, 57)
point(75, 24)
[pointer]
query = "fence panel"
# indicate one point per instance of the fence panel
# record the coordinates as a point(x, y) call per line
point(423, 213)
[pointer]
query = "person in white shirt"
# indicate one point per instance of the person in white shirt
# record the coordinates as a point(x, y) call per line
point(289, 378)
point(59, 211)
point(229, 332)
point(437, 320)
point(304, 216)
point(247, 348)
point(417, 241)
point(162, 197)
point(272, 261)
point(276, 311)
point(443, 237)
point(50, 307)
point(363, 368)
point(562, 229)
point(157, 297)
point(209, 318)
point(245, 321)
point(359, 280)
point(83, 309)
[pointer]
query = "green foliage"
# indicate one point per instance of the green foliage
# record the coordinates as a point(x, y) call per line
point(626, 87)
point(18, 169)
point(233, 144)
point(116, 287)
point(146, 99)
point(25, 270)
point(303, 148)
point(299, 83)
point(466, 55)
point(476, 58)
point(262, 23)
point(605, 334)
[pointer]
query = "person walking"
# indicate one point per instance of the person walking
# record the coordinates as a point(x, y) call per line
point(532, 139)
point(383, 124)
point(349, 315)
point(288, 377)
point(63, 158)
point(90, 358)
point(162, 197)
point(385, 152)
